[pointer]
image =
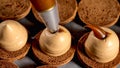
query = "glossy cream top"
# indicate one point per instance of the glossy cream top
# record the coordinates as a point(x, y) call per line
point(55, 44)
point(104, 50)
point(13, 36)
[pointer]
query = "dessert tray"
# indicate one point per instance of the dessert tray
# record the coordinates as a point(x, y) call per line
point(76, 27)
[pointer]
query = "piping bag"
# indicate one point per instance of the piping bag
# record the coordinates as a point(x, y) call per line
point(48, 10)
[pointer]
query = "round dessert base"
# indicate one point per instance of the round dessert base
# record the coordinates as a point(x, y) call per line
point(65, 15)
point(82, 56)
point(51, 60)
point(14, 55)
point(18, 16)
point(99, 16)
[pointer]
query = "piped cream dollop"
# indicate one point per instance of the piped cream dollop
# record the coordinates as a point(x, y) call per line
point(102, 50)
point(55, 44)
point(13, 36)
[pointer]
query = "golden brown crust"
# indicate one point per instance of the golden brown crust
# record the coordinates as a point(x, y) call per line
point(51, 60)
point(6, 64)
point(91, 63)
point(99, 12)
point(47, 66)
point(14, 9)
point(14, 55)
point(67, 11)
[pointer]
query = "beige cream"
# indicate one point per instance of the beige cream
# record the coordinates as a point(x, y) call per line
point(104, 50)
point(13, 36)
point(55, 44)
